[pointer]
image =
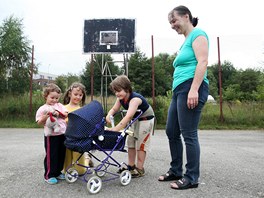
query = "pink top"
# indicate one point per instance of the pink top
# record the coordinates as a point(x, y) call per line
point(45, 108)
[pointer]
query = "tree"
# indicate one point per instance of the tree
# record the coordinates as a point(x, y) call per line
point(61, 81)
point(228, 74)
point(232, 93)
point(259, 94)
point(15, 57)
point(99, 60)
point(249, 82)
point(64, 81)
point(18, 82)
point(71, 78)
point(139, 67)
point(213, 84)
point(237, 84)
point(163, 73)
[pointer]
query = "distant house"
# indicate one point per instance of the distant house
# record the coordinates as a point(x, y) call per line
point(42, 78)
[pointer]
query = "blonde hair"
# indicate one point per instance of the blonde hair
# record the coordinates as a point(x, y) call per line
point(67, 98)
point(50, 88)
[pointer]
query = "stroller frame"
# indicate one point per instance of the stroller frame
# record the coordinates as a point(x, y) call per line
point(94, 183)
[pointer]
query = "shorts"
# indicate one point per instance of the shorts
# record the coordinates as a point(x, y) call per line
point(144, 129)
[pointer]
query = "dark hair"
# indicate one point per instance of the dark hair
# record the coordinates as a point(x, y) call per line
point(183, 10)
point(121, 82)
point(50, 88)
point(67, 94)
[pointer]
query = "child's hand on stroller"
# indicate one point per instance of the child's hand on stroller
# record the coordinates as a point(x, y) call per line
point(107, 129)
point(107, 119)
point(111, 129)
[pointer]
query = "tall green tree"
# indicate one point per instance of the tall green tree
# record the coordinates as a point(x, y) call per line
point(163, 73)
point(139, 68)
point(228, 74)
point(15, 57)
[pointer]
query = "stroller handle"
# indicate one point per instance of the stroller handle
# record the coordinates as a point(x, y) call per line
point(125, 130)
point(124, 110)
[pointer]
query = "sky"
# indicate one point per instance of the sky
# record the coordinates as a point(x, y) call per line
point(55, 28)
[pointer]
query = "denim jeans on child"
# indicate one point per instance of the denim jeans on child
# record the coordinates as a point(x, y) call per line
point(184, 122)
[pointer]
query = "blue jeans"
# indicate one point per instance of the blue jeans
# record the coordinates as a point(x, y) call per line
point(184, 122)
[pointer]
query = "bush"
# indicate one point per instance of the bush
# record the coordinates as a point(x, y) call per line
point(19, 106)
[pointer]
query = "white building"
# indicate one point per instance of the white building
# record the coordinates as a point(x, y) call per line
point(42, 78)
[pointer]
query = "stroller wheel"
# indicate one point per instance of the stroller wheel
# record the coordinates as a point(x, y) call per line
point(71, 175)
point(94, 184)
point(125, 177)
point(100, 170)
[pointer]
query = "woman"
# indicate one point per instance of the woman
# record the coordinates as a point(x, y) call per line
point(190, 92)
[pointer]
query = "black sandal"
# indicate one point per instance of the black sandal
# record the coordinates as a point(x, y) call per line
point(183, 184)
point(169, 176)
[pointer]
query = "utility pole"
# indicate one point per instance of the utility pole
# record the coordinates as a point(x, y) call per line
point(92, 77)
point(31, 81)
point(153, 75)
point(220, 83)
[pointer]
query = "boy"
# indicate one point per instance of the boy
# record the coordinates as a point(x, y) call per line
point(142, 128)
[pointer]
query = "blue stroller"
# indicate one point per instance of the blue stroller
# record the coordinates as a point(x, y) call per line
point(85, 133)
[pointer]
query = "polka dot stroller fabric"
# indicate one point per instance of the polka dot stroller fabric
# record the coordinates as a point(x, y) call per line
point(84, 124)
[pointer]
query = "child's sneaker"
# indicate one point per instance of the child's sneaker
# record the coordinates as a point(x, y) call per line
point(61, 176)
point(130, 168)
point(137, 173)
point(51, 180)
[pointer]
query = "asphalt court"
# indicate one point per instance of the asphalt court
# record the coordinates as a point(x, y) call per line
point(231, 166)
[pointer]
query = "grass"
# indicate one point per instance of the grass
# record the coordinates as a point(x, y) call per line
point(18, 123)
point(247, 115)
point(14, 113)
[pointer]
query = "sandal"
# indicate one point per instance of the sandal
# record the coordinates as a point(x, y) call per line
point(169, 176)
point(183, 184)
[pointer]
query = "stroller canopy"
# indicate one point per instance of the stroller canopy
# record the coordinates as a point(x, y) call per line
point(86, 122)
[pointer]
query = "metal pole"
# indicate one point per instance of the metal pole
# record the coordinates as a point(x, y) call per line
point(126, 62)
point(92, 77)
point(31, 81)
point(106, 86)
point(102, 81)
point(220, 83)
point(153, 75)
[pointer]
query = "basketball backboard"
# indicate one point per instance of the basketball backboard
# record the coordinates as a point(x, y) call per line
point(109, 36)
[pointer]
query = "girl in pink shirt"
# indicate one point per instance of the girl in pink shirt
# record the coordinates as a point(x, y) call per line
point(54, 141)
